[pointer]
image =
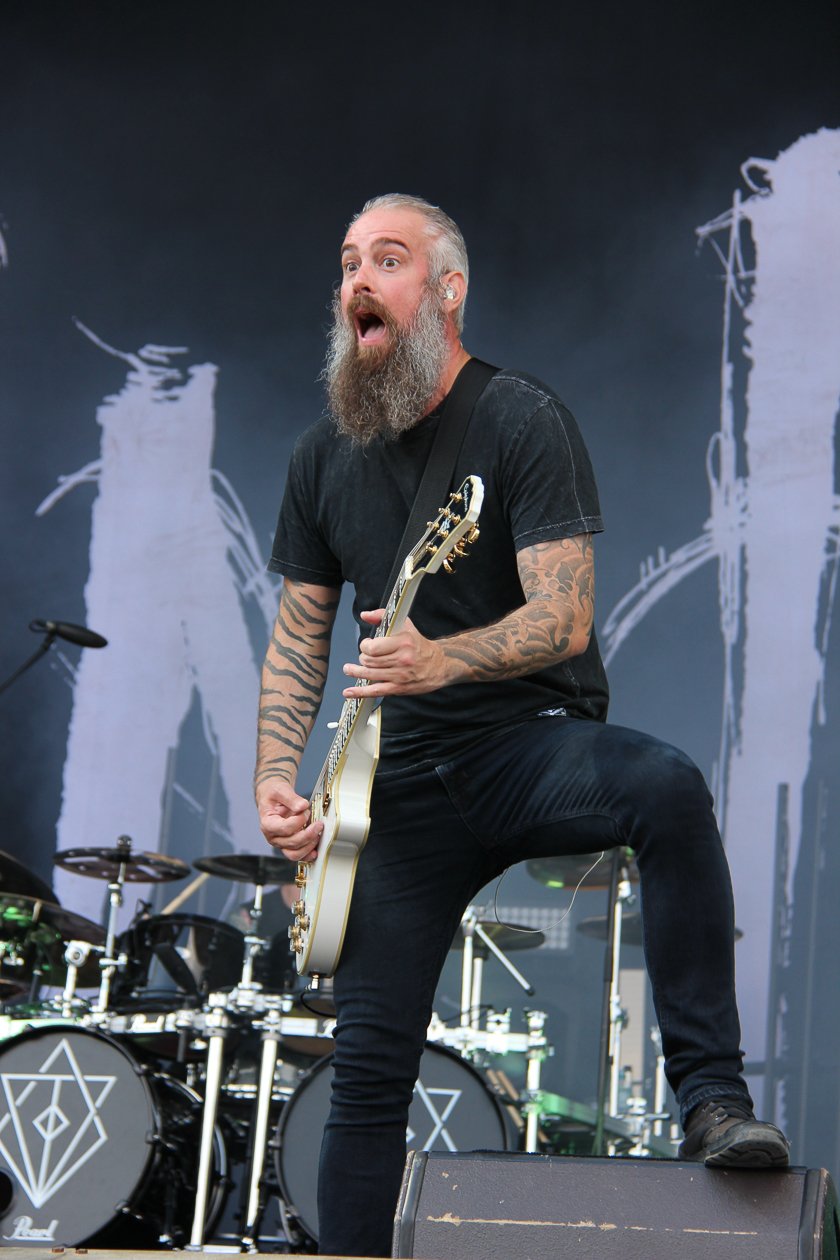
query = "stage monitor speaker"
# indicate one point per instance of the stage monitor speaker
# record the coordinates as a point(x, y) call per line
point(486, 1205)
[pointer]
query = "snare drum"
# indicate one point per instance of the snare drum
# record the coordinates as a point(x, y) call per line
point(100, 1150)
point(452, 1110)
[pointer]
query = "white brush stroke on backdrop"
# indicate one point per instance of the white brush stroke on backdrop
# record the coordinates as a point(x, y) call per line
point(170, 563)
point(772, 527)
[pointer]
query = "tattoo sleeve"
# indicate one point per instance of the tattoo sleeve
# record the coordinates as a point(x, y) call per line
point(293, 677)
point(554, 623)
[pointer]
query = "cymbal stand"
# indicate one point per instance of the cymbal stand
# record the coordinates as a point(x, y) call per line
point(537, 1050)
point(269, 1027)
point(660, 1086)
point(468, 926)
point(108, 962)
point(241, 999)
point(245, 998)
point(612, 1016)
point(618, 1016)
point(216, 1026)
point(254, 944)
point(472, 968)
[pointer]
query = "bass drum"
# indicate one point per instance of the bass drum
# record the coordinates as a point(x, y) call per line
point(99, 1150)
point(452, 1110)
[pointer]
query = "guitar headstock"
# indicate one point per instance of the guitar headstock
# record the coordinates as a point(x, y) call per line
point(452, 531)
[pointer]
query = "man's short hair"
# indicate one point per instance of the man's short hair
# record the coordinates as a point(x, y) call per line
point(447, 251)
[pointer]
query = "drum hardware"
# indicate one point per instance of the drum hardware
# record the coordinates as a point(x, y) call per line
point(246, 999)
point(76, 954)
point(617, 928)
point(570, 1128)
point(641, 1123)
point(254, 944)
point(538, 1050)
point(108, 962)
point(119, 866)
point(216, 1026)
point(270, 1032)
point(474, 1043)
point(32, 941)
point(660, 1114)
point(477, 941)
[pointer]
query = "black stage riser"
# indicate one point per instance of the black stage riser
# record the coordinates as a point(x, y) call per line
point(494, 1206)
point(71, 1253)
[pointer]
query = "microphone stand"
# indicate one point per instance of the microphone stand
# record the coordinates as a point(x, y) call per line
point(52, 630)
point(44, 646)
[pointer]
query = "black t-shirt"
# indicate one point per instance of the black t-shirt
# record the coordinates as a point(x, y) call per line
point(344, 511)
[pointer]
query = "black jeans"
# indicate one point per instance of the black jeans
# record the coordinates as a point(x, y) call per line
point(552, 785)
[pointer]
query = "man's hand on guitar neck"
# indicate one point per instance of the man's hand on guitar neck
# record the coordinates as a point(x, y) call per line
point(403, 663)
point(553, 624)
point(284, 820)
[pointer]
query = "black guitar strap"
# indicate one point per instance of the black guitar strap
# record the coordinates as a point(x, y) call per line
point(435, 483)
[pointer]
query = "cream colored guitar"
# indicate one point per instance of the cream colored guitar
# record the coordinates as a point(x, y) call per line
point(342, 792)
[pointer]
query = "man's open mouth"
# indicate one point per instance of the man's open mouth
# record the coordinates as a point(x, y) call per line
point(370, 328)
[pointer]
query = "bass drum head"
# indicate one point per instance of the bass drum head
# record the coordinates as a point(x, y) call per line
point(452, 1110)
point(93, 1144)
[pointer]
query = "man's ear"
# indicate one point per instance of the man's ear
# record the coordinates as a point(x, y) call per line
point(453, 288)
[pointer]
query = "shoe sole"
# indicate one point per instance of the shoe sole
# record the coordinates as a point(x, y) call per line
point(752, 1146)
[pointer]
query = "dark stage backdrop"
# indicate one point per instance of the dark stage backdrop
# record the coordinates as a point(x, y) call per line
point(651, 196)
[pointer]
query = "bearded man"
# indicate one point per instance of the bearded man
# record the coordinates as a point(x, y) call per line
point(495, 746)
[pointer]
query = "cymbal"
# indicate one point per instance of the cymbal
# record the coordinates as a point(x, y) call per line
point(598, 926)
point(33, 935)
point(140, 868)
point(249, 868)
point(505, 936)
point(573, 870)
point(16, 878)
point(20, 915)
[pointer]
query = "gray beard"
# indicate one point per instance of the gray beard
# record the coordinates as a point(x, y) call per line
point(373, 393)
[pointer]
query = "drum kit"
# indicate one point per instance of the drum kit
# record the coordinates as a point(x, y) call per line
point(163, 1086)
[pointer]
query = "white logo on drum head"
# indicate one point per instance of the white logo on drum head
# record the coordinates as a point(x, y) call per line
point(26, 1230)
point(439, 1115)
point(38, 1103)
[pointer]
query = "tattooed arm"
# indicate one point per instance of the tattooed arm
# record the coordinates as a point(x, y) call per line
point(293, 677)
point(553, 624)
